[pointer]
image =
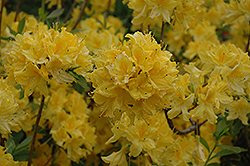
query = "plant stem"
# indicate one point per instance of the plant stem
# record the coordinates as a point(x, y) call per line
point(70, 11)
point(211, 152)
point(17, 9)
point(35, 130)
point(108, 9)
point(1, 15)
point(248, 42)
point(81, 13)
point(162, 33)
point(246, 136)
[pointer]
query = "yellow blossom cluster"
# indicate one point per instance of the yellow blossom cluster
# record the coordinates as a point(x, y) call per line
point(125, 97)
point(10, 108)
point(136, 78)
point(68, 115)
point(35, 56)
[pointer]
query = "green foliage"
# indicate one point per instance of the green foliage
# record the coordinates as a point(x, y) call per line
point(222, 128)
point(19, 152)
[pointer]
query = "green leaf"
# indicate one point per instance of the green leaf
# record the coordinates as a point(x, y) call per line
point(10, 145)
point(21, 92)
point(205, 144)
point(34, 105)
point(21, 26)
point(75, 31)
point(8, 38)
point(22, 155)
point(24, 145)
point(213, 164)
point(55, 13)
point(224, 152)
point(223, 132)
point(18, 136)
point(12, 31)
point(80, 80)
point(100, 23)
point(221, 127)
point(234, 149)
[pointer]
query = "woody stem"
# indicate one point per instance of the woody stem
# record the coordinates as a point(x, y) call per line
point(35, 130)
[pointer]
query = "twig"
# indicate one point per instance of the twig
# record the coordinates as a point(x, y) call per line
point(1, 15)
point(108, 9)
point(35, 130)
point(81, 13)
point(246, 136)
point(70, 11)
point(17, 9)
point(188, 130)
point(148, 28)
point(248, 42)
point(185, 131)
point(162, 33)
point(57, 148)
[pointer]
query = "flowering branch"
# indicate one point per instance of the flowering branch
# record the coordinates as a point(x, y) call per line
point(35, 130)
point(81, 13)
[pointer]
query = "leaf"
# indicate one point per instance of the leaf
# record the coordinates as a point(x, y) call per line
point(34, 105)
point(220, 128)
point(80, 80)
point(223, 132)
point(24, 145)
point(21, 92)
point(21, 26)
point(100, 23)
point(205, 144)
point(8, 38)
point(224, 152)
point(75, 31)
point(213, 164)
point(10, 145)
point(12, 31)
point(22, 155)
point(234, 149)
point(18, 136)
point(55, 13)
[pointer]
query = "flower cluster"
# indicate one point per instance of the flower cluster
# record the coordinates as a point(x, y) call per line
point(136, 78)
point(35, 56)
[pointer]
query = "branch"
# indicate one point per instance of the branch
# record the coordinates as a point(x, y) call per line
point(108, 9)
point(17, 9)
point(162, 33)
point(246, 136)
point(35, 130)
point(70, 11)
point(1, 15)
point(185, 131)
point(81, 13)
point(248, 42)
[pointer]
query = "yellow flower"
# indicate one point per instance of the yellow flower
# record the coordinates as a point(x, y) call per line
point(161, 8)
point(239, 109)
point(6, 159)
point(135, 78)
point(35, 56)
point(116, 158)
